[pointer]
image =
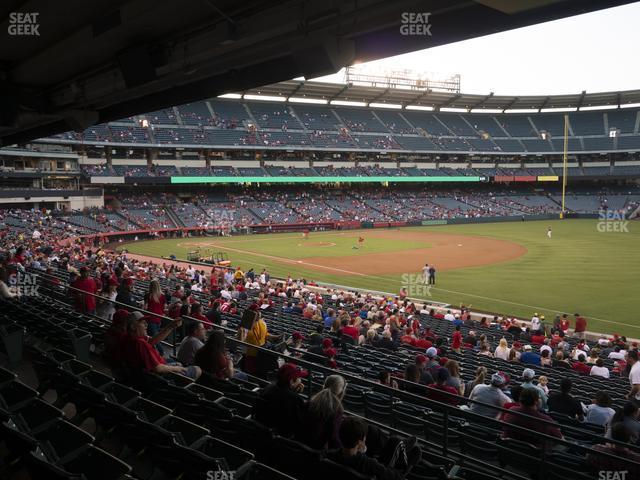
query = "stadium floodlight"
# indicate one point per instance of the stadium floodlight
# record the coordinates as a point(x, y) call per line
point(347, 103)
point(267, 98)
point(385, 105)
point(419, 107)
point(308, 100)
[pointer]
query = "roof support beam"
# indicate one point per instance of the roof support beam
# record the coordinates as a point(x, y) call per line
point(448, 102)
point(545, 102)
point(513, 101)
point(379, 96)
point(295, 90)
point(342, 90)
point(581, 99)
point(481, 102)
point(416, 98)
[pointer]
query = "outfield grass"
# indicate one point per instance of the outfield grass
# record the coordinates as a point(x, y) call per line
point(578, 270)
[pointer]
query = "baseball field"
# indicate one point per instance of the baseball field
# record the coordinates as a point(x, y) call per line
point(509, 268)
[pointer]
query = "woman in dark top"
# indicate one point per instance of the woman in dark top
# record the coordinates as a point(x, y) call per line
point(212, 359)
point(322, 420)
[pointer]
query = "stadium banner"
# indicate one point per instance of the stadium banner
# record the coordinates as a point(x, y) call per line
point(373, 179)
point(524, 178)
point(434, 222)
point(503, 179)
point(367, 225)
point(548, 178)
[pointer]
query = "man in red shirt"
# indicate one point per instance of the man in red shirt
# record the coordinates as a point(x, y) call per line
point(350, 330)
point(580, 366)
point(456, 340)
point(435, 390)
point(139, 352)
point(581, 326)
point(529, 405)
point(84, 283)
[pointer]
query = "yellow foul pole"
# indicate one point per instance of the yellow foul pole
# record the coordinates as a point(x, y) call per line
point(564, 161)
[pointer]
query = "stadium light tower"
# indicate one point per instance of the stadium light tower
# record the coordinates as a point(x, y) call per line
point(564, 162)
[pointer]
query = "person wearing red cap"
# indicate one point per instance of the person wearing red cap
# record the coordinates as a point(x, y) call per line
point(280, 405)
point(85, 303)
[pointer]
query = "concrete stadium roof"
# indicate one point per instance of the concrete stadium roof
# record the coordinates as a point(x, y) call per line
point(68, 65)
point(405, 97)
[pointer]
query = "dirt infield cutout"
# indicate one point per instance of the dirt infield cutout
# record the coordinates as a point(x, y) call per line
point(448, 252)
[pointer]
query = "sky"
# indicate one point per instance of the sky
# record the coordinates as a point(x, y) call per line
point(596, 52)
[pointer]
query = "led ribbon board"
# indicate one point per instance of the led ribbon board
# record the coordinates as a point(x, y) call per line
point(323, 179)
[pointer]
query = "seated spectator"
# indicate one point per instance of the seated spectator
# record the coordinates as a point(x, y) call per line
point(387, 342)
point(600, 411)
point(196, 335)
point(434, 389)
point(620, 433)
point(454, 381)
point(515, 400)
point(562, 402)
point(384, 378)
point(530, 406)
point(213, 314)
point(628, 415)
point(484, 350)
point(502, 350)
point(599, 369)
point(545, 359)
point(321, 421)
point(114, 338)
point(543, 383)
point(280, 405)
point(491, 394)
point(481, 373)
point(529, 356)
point(139, 353)
point(389, 466)
point(527, 383)
point(559, 361)
point(580, 366)
point(425, 376)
